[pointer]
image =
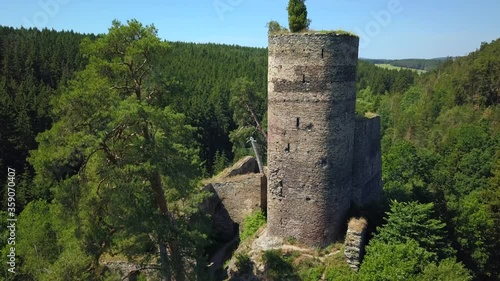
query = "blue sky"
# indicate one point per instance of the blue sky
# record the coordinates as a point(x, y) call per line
point(388, 28)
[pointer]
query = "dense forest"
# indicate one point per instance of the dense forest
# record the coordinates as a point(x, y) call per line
point(86, 115)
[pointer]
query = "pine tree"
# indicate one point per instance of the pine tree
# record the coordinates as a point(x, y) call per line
point(116, 158)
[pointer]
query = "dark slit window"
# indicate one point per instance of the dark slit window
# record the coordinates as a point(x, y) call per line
point(297, 122)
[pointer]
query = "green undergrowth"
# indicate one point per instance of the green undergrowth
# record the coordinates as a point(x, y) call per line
point(251, 224)
point(297, 266)
point(243, 263)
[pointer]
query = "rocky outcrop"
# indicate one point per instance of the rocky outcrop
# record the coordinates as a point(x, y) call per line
point(246, 165)
point(355, 241)
point(224, 226)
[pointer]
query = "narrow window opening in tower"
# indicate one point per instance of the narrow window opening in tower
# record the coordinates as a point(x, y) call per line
point(287, 149)
point(324, 162)
point(297, 122)
point(322, 53)
point(303, 78)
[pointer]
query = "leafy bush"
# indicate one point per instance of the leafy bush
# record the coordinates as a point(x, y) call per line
point(275, 27)
point(312, 273)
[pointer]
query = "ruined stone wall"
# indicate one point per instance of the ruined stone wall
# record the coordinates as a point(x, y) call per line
point(236, 192)
point(241, 195)
point(355, 241)
point(312, 95)
point(367, 164)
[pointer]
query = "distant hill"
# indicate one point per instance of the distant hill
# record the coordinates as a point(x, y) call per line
point(421, 64)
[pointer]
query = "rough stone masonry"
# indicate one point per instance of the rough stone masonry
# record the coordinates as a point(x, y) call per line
point(312, 141)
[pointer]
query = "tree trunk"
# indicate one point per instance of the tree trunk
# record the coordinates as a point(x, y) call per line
point(175, 261)
point(257, 123)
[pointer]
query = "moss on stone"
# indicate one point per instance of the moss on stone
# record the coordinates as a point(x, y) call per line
point(312, 32)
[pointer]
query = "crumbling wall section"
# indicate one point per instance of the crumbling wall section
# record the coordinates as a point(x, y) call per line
point(367, 163)
point(241, 195)
point(236, 192)
point(355, 241)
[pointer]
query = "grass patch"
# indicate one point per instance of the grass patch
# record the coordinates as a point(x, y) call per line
point(297, 266)
point(309, 268)
point(332, 248)
point(251, 224)
point(392, 67)
point(337, 268)
point(292, 266)
point(358, 224)
point(278, 266)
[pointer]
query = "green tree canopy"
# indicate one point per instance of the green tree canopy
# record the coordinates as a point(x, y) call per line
point(249, 113)
point(415, 221)
point(396, 261)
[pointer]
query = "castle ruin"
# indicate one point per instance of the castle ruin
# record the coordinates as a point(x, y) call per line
point(321, 157)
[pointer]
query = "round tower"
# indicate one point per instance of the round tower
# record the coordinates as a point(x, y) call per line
point(311, 110)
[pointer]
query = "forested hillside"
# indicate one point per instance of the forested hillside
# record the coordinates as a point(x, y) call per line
point(127, 112)
point(33, 64)
point(422, 64)
point(441, 148)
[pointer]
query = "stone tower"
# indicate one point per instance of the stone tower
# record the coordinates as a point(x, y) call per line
point(311, 135)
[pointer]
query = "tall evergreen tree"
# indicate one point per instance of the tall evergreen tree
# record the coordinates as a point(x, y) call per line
point(297, 15)
point(116, 158)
